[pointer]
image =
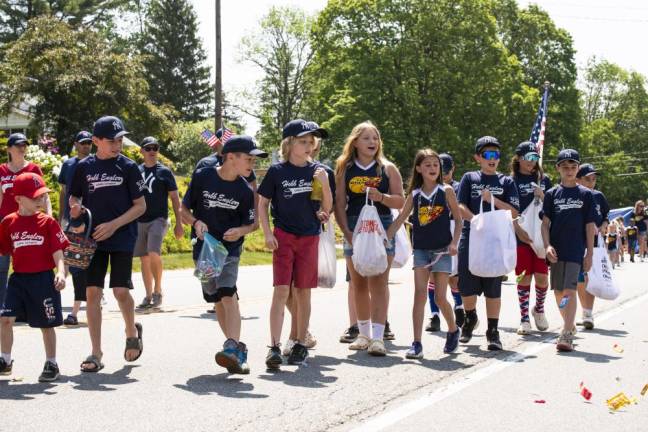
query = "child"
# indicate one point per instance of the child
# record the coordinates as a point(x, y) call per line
point(638, 219)
point(475, 187)
point(622, 238)
point(294, 242)
point(431, 202)
point(568, 228)
point(631, 235)
point(612, 244)
point(220, 202)
point(36, 243)
point(531, 184)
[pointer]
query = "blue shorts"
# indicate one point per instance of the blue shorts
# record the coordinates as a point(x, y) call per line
point(434, 260)
point(32, 296)
point(386, 220)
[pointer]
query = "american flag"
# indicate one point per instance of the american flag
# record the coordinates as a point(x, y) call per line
point(538, 131)
point(212, 140)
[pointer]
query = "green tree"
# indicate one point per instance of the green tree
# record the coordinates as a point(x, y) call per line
point(175, 59)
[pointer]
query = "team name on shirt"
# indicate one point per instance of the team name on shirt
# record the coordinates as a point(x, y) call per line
point(295, 187)
point(528, 188)
point(218, 200)
point(98, 181)
point(24, 238)
point(9, 178)
point(568, 203)
point(476, 190)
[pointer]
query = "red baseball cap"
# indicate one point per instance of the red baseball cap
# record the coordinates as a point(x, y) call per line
point(29, 185)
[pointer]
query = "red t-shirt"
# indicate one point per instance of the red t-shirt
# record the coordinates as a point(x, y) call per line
point(9, 204)
point(31, 241)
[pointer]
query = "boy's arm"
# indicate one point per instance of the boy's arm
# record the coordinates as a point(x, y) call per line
point(62, 195)
point(264, 220)
point(178, 231)
point(590, 230)
point(59, 279)
point(107, 229)
point(552, 256)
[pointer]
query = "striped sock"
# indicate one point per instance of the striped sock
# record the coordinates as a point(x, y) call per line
point(457, 299)
point(433, 306)
point(541, 293)
point(523, 298)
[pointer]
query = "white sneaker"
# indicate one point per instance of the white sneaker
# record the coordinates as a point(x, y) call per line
point(525, 328)
point(377, 348)
point(310, 341)
point(588, 322)
point(540, 320)
point(289, 346)
point(360, 344)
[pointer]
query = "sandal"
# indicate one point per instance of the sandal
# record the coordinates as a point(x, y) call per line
point(92, 360)
point(135, 343)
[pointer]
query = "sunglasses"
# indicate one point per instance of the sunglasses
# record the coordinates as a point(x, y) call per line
point(86, 143)
point(151, 148)
point(531, 157)
point(491, 155)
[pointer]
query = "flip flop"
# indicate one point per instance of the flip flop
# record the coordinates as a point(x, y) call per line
point(92, 360)
point(135, 343)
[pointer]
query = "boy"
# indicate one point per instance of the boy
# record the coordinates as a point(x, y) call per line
point(568, 228)
point(220, 201)
point(36, 243)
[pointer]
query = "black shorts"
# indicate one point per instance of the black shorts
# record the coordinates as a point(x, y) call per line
point(32, 296)
point(218, 295)
point(121, 269)
point(80, 282)
point(469, 284)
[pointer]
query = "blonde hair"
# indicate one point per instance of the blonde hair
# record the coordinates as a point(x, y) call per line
point(349, 152)
point(286, 144)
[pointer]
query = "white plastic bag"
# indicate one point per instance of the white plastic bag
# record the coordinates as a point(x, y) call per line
point(600, 282)
point(403, 246)
point(369, 254)
point(492, 246)
point(326, 259)
point(530, 222)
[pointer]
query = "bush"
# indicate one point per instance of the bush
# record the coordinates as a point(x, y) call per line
point(50, 164)
point(187, 147)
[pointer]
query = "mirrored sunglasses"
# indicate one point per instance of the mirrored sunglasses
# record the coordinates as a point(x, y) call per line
point(531, 157)
point(491, 155)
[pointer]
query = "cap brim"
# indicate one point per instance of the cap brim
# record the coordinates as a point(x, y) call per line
point(20, 142)
point(258, 153)
point(40, 191)
point(121, 134)
point(565, 160)
point(85, 140)
point(530, 153)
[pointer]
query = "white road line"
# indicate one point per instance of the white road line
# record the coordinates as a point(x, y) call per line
point(408, 409)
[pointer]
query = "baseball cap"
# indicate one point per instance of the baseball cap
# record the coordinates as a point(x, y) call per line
point(149, 140)
point(585, 170)
point(83, 136)
point(567, 155)
point(243, 144)
point(299, 127)
point(16, 138)
point(109, 127)
point(526, 147)
point(29, 185)
point(447, 163)
point(486, 141)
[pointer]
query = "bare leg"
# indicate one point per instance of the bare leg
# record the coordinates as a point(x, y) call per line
point(421, 276)
point(6, 335)
point(569, 311)
point(441, 299)
point(49, 340)
point(353, 317)
point(93, 312)
point(221, 317)
point(156, 270)
point(233, 317)
point(279, 299)
point(293, 308)
point(147, 275)
point(302, 298)
point(127, 308)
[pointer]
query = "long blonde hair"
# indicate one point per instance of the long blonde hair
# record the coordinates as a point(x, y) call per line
point(349, 152)
point(286, 144)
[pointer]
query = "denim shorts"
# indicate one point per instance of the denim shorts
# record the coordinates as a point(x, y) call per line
point(434, 260)
point(390, 246)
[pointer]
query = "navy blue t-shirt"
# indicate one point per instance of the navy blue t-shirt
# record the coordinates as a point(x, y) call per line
point(472, 183)
point(357, 179)
point(108, 188)
point(569, 209)
point(639, 221)
point(215, 160)
point(431, 220)
point(288, 187)
point(601, 206)
point(524, 184)
point(158, 182)
point(220, 204)
point(65, 178)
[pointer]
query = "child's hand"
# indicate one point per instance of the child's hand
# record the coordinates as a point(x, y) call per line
point(375, 194)
point(322, 216)
point(587, 263)
point(271, 242)
point(232, 234)
point(452, 249)
point(201, 228)
point(390, 232)
point(178, 231)
point(104, 231)
point(552, 256)
point(486, 195)
point(321, 175)
point(59, 281)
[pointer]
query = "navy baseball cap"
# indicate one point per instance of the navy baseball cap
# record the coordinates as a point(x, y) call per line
point(16, 138)
point(299, 127)
point(568, 155)
point(83, 136)
point(447, 163)
point(486, 141)
point(243, 144)
point(149, 140)
point(110, 127)
point(525, 148)
point(585, 170)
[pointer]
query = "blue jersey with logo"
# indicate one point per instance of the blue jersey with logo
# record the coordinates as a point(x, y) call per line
point(158, 182)
point(357, 178)
point(472, 183)
point(430, 220)
point(524, 184)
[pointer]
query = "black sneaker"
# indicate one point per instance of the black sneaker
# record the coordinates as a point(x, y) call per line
point(388, 334)
point(50, 372)
point(467, 330)
point(71, 320)
point(274, 359)
point(494, 343)
point(435, 324)
point(350, 334)
point(460, 316)
point(5, 369)
point(298, 354)
point(452, 342)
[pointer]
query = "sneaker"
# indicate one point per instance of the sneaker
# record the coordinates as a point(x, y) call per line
point(146, 303)
point(50, 372)
point(229, 356)
point(494, 343)
point(310, 341)
point(467, 330)
point(588, 322)
point(388, 334)
point(540, 320)
point(435, 324)
point(5, 369)
point(415, 352)
point(350, 334)
point(360, 344)
point(377, 348)
point(452, 341)
point(525, 328)
point(289, 345)
point(565, 342)
point(274, 359)
point(71, 320)
point(244, 369)
point(298, 354)
point(460, 316)
point(156, 300)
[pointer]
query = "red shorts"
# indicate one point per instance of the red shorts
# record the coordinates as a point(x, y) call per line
point(295, 260)
point(528, 262)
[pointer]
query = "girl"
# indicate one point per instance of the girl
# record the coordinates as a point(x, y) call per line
point(612, 243)
point(431, 202)
point(363, 169)
point(531, 184)
point(638, 219)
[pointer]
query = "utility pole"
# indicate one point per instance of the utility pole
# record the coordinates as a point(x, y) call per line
point(218, 109)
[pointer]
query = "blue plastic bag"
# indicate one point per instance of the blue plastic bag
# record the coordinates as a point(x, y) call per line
point(211, 259)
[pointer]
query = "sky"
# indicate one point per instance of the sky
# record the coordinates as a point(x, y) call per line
point(609, 29)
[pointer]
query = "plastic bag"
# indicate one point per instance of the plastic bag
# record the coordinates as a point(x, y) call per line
point(403, 246)
point(326, 259)
point(530, 222)
point(369, 254)
point(600, 282)
point(492, 245)
point(211, 259)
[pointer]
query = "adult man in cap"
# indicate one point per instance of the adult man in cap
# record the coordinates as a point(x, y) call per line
point(110, 186)
point(159, 186)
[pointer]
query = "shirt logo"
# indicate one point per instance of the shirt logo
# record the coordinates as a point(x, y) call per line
point(148, 182)
point(96, 181)
point(61, 237)
point(218, 200)
point(360, 184)
point(429, 214)
point(476, 190)
point(294, 187)
point(22, 239)
point(568, 204)
point(528, 189)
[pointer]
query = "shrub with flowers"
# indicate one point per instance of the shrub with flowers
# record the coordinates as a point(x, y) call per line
point(50, 164)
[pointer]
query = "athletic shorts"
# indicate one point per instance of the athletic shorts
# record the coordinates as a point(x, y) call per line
point(32, 297)
point(528, 262)
point(469, 284)
point(80, 282)
point(435, 261)
point(225, 284)
point(390, 246)
point(150, 236)
point(121, 269)
point(564, 275)
point(295, 260)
